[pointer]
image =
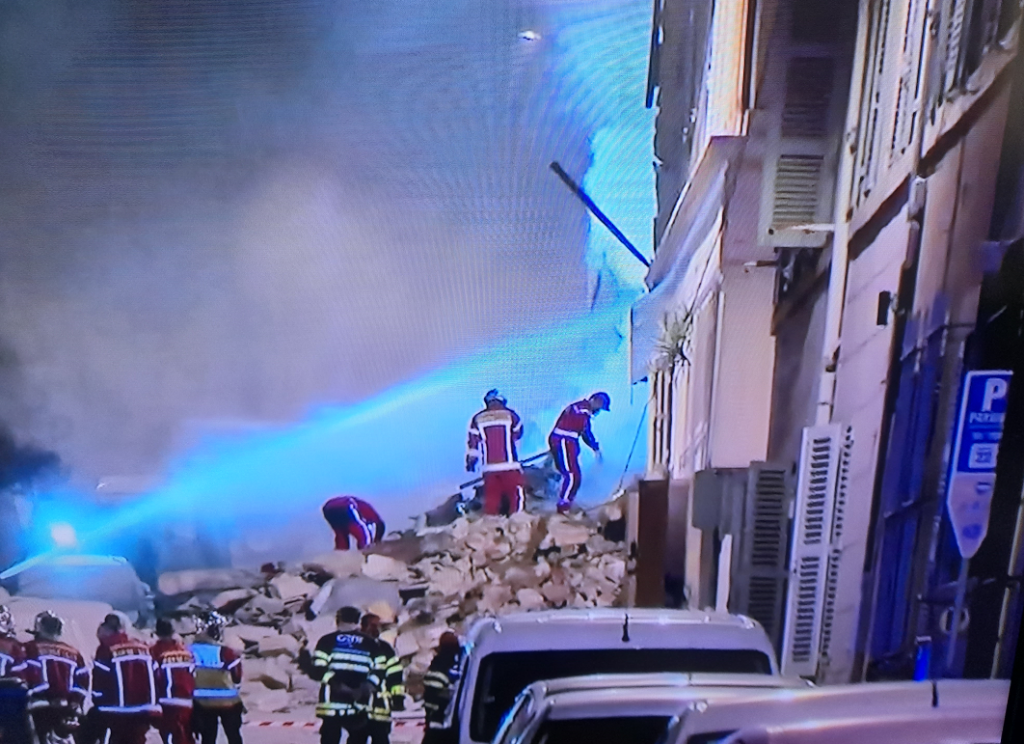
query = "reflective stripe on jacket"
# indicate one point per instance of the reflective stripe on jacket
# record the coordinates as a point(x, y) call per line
point(218, 673)
point(343, 663)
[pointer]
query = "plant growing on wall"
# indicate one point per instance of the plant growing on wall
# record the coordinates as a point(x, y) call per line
point(673, 341)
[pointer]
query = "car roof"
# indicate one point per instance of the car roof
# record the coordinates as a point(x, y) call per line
point(549, 687)
point(925, 727)
point(609, 628)
point(842, 701)
point(631, 702)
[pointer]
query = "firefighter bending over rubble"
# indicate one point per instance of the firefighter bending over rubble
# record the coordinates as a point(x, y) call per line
point(493, 434)
point(352, 517)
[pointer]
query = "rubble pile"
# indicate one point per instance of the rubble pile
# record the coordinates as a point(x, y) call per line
point(420, 584)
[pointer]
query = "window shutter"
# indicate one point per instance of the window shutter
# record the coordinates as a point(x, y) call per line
point(836, 545)
point(759, 591)
point(908, 102)
point(815, 503)
point(955, 23)
point(809, 82)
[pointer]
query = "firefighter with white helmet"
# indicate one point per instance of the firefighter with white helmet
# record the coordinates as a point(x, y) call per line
point(12, 652)
point(56, 674)
point(493, 436)
point(218, 675)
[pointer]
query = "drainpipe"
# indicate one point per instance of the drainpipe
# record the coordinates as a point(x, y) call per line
point(841, 227)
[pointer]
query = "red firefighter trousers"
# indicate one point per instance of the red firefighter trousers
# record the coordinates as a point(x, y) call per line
point(127, 728)
point(503, 491)
point(176, 725)
point(566, 452)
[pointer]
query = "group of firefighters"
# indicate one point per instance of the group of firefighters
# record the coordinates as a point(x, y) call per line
point(492, 442)
point(184, 691)
point(492, 446)
point(179, 690)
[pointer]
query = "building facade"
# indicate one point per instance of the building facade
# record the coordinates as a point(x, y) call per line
point(814, 302)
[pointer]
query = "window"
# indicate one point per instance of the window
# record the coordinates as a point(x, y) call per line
point(504, 675)
point(634, 729)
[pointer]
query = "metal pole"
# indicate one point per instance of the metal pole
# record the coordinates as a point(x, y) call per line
point(596, 211)
point(1011, 589)
point(958, 609)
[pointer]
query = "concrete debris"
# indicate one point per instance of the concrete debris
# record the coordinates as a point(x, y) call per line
point(340, 563)
point(213, 579)
point(421, 586)
point(278, 645)
point(290, 588)
point(264, 700)
point(231, 600)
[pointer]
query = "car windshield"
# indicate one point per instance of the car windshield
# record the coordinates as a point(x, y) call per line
point(504, 675)
point(634, 729)
point(517, 718)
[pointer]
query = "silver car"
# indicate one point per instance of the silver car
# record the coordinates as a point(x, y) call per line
point(609, 706)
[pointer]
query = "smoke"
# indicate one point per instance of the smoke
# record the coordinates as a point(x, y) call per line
point(244, 211)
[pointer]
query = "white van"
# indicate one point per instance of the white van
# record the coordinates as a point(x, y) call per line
point(619, 707)
point(504, 655)
point(974, 726)
point(714, 721)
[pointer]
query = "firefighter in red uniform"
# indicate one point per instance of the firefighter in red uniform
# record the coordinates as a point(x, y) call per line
point(124, 684)
point(12, 652)
point(13, 693)
point(493, 434)
point(572, 425)
point(352, 517)
point(174, 684)
point(57, 676)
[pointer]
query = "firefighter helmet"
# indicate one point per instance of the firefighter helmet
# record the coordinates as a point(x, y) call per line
point(48, 625)
point(6, 621)
point(601, 401)
point(492, 396)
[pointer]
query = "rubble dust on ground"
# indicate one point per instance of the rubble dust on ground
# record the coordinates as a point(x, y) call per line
point(421, 584)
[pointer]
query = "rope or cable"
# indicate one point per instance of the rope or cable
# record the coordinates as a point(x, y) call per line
point(632, 449)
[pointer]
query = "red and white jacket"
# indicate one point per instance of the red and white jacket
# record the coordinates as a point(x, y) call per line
point(175, 682)
point(55, 671)
point(574, 423)
point(12, 657)
point(493, 433)
point(124, 677)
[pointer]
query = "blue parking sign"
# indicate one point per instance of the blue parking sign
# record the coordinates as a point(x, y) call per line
point(975, 451)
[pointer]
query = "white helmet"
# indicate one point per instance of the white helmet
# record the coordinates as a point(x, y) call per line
point(6, 621)
point(212, 624)
point(48, 625)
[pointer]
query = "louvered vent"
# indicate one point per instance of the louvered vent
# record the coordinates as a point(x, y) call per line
point(797, 185)
point(954, 41)
point(809, 82)
point(760, 575)
point(836, 552)
point(769, 519)
point(815, 500)
point(763, 604)
point(808, 589)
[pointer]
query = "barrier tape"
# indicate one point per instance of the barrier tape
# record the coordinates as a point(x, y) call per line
point(396, 723)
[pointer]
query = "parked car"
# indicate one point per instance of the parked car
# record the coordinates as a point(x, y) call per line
point(972, 726)
point(506, 654)
point(714, 721)
point(637, 707)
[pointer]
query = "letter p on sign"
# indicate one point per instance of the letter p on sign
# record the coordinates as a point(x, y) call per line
point(995, 389)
